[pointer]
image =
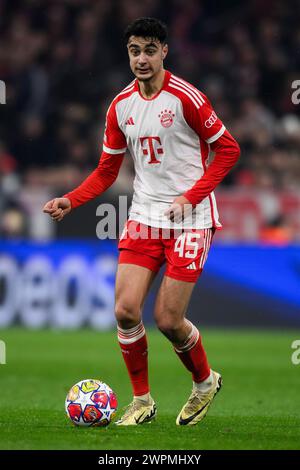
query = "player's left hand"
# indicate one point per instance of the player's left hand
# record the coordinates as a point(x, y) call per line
point(179, 209)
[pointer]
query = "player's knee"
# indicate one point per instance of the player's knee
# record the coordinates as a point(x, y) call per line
point(127, 314)
point(167, 324)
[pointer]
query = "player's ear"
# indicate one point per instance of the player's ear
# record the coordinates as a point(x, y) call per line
point(164, 51)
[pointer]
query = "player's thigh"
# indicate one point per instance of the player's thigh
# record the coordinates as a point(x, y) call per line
point(172, 302)
point(132, 285)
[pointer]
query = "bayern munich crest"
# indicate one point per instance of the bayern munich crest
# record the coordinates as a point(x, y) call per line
point(166, 118)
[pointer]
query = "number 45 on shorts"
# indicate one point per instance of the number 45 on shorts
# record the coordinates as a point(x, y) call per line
point(194, 245)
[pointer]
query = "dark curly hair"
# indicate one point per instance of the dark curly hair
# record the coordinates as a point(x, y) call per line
point(147, 28)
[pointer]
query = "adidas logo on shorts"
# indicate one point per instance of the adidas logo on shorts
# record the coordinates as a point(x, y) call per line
point(192, 266)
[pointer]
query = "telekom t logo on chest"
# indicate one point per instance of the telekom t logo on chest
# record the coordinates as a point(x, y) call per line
point(152, 146)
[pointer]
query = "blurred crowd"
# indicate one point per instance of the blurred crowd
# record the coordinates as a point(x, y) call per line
point(63, 61)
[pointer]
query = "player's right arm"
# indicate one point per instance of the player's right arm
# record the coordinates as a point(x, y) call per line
point(114, 148)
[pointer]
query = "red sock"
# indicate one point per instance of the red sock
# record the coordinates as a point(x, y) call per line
point(133, 343)
point(193, 356)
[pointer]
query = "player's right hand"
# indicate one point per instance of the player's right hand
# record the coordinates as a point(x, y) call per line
point(57, 208)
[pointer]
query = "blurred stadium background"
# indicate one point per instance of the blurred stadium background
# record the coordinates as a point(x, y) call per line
point(62, 63)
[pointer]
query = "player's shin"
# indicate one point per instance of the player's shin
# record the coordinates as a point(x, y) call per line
point(192, 354)
point(133, 343)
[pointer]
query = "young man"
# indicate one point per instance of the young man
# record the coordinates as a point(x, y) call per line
point(169, 127)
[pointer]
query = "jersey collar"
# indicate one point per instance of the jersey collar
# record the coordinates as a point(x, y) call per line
point(165, 83)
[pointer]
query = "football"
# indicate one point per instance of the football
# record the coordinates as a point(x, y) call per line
point(91, 402)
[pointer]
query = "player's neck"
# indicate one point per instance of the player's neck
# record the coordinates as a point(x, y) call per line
point(150, 88)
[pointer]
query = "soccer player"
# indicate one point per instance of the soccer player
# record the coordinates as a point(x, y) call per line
point(169, 128)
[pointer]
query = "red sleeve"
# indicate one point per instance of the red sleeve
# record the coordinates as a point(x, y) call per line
point(98, 181)
point(114, 141)
point(201, 117)
point(227, 152)
point(114, 148)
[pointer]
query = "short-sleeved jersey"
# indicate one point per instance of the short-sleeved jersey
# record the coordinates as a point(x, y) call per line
point(168, 137)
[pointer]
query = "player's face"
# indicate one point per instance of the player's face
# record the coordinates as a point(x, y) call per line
point(146, 56)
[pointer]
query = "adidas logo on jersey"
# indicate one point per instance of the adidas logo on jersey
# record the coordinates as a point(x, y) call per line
point(129, 122)
point(192, 266)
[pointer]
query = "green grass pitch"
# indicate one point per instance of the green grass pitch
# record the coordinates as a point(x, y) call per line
point(257, 408)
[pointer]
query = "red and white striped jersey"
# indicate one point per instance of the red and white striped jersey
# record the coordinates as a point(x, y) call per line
point(168, 137)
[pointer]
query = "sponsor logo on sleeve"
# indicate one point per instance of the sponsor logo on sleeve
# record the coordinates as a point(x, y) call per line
point(211, 120)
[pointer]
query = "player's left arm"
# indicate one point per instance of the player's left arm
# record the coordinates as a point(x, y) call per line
point(204, 121)
point(227, 152)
